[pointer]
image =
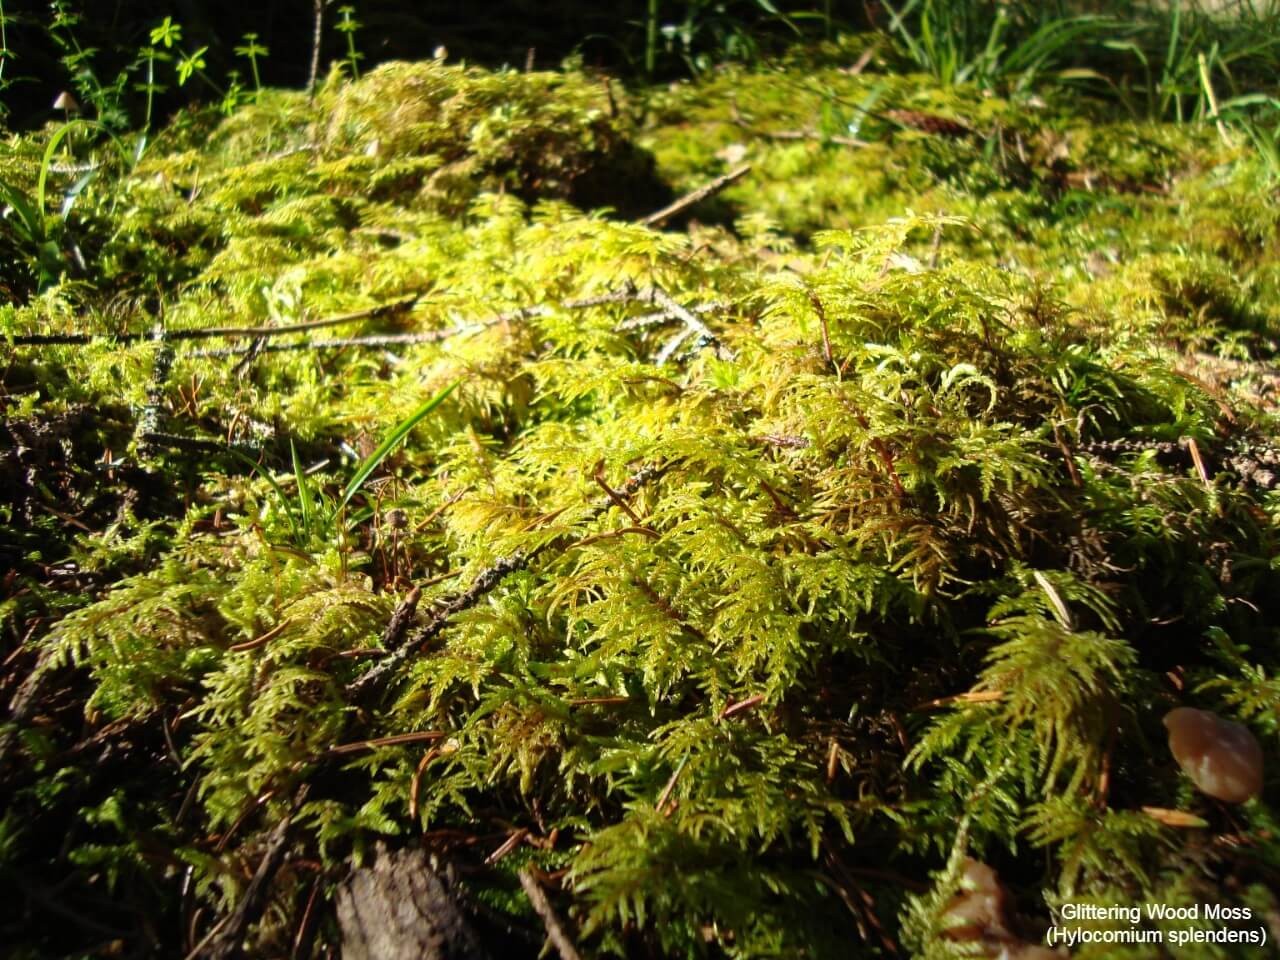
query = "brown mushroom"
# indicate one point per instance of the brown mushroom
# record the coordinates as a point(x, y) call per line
point(1222, 758)
point(66, 102)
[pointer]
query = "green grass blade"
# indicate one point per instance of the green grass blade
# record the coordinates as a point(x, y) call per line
point(304, 492)
point(390, 442)
point(266, 475)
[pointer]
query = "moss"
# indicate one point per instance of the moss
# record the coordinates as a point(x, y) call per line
point(926, 528)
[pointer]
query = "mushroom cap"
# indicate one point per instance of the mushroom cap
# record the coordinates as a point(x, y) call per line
point(1222, 758)
point(65, 101)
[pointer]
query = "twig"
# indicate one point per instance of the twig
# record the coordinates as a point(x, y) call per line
point(741, 706)
point(400, 620)
point(426, 336)
point(696, 196)
point(317, 37)
point(155, 438)
point(661, 316)
point(671, 784)
point(705, 336)
point(377, 340)
point(209, 333)
point(224, 940)
point(368, 313)
point(555, 930)
point(821, 311)
point(263, 640)
point(395, 740)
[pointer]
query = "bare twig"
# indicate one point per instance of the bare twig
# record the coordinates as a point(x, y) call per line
point(209, 333)
point(395, 740)
point(696, 196)
point(555, 930)
point(224, 940)
point(690, 320)
point(317, 37)
point(398, 626)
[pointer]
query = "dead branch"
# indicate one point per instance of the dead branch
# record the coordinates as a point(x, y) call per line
point(555, 930)
point(696, 196)
point(209, 333)
point(224, 941)
point(398, 626)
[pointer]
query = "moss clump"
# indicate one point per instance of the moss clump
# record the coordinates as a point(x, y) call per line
point(763, 578)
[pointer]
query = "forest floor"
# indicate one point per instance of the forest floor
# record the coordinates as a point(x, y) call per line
point(384, 470)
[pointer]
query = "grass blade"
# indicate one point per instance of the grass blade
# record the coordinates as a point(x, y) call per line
point(390, 442)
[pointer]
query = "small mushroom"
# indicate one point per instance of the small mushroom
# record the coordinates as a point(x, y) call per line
point(1222, 758)
point(66, 102)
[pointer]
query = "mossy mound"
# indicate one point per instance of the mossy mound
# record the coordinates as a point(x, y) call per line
point(743, 584)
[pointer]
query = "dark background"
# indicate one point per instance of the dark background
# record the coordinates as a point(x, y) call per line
point(609, 35)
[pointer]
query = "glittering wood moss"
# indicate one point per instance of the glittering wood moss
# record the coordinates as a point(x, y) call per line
point(899, 554)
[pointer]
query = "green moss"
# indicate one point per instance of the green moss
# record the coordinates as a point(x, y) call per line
point(927, 556)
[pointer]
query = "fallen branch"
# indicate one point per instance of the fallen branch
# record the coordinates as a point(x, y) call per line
point(209, 333)
point(555, 930)
point(224, 940)
point(696, 196)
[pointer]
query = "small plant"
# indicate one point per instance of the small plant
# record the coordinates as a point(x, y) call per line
point(312, 517)
point(348, 26)
point(251, 50)
point(990, 44)
point(36, 231)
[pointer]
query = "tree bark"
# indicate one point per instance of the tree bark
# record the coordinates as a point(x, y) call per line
point(401, 909)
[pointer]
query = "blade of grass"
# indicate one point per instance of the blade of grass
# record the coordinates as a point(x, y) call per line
point(304, 491)
point(390, 442)
point(271, 481)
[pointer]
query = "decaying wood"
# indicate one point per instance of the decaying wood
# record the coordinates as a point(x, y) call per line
point(400, 908)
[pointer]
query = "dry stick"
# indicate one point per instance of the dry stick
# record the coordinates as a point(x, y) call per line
point(156, 438)
point(427, 336)
point(317, 37)
point(663, 299)
point(398, 626)
point(696, 196)
point(223, 941)
point(208, 333)
point(377, 340)
point(555, 930)
point(380, 673)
